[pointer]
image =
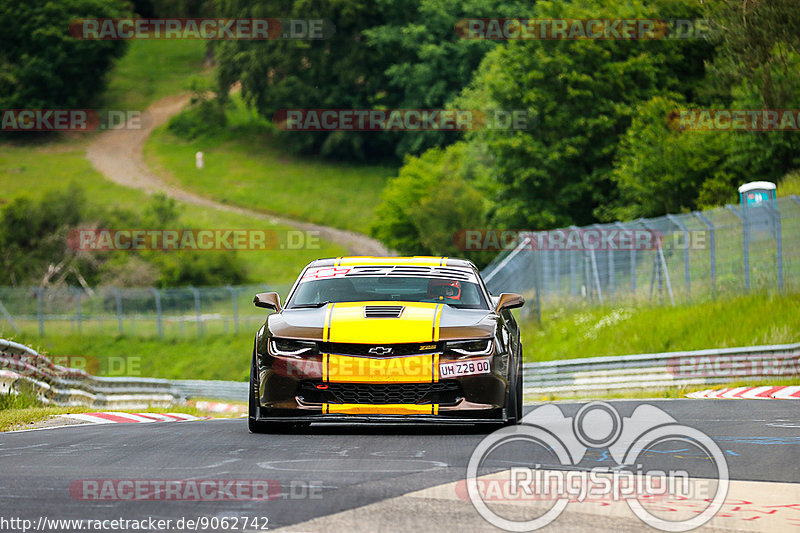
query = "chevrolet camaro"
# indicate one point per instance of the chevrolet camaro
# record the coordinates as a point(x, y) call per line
point(391, 339)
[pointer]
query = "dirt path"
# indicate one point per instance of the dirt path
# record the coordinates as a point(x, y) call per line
point(117, 154)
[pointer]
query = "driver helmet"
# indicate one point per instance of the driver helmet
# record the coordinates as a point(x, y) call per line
point(440, 289)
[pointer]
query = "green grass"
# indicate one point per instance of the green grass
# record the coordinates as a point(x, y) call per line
point(735, 321)
point(245, 166)
point(150, 70)
point(789, 185)
point(224, 357)
point(33, 170)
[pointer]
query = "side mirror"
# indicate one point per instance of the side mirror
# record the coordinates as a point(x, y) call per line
point(508, 300)
point(268, 300)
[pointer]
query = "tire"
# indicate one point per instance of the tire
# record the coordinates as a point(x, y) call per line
point(252, 416)
point(515, 398)
point(256, 426)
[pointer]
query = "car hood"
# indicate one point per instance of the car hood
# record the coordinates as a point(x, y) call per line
point(417, 322)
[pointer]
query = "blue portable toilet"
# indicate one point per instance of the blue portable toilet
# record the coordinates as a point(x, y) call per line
point(757, 194)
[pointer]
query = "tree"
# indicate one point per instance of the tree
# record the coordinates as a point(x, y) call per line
point(435, 197)
point(758, 67)
point(340, 72)
point(42, 65)
point(429, 62)
point(584, 94)
point(660, 169)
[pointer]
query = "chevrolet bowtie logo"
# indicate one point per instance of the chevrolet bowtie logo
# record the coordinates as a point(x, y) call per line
point(380, 350)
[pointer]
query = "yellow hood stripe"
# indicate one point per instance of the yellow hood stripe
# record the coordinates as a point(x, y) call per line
point(346, 323)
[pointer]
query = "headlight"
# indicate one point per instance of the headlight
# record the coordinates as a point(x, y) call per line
point(291, 348)
point(471, 348)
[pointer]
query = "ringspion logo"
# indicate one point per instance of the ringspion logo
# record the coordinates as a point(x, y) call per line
point(635, 446)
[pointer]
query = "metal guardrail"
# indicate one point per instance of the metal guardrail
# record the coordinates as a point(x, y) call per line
point(627, 373)
point(21, 366)
point(218, 390)
point(565, 378)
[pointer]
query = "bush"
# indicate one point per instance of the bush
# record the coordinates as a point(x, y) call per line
point(432, 199)
point(202, 117)
point(42, 65)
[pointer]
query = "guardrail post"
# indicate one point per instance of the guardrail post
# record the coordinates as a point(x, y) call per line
point(118, 298)
point(596, 275)
point(159, 317)
point(659, 267)
point(78, 316)
point(681, 226)
point(745, 245)
point(39, 310)
point(545, 270)
point(536, 282)
point(9, 317)
point(778, 243)
point(572, 285)
point(712, 244)
point(632, 254)
point(557, 271)
point(609, 263)
point(666, 273)
point(196, 294)
point(235, 302)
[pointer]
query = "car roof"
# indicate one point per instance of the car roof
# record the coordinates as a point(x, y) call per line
point(394, 261)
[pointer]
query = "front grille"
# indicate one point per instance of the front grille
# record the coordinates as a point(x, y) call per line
point(383, 311)
point(444, 392)
point(350, 348)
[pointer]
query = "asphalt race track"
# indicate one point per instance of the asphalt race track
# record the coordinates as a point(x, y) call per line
point(329, 470)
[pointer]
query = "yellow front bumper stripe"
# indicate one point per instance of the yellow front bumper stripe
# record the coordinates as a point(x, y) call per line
point(380, 409)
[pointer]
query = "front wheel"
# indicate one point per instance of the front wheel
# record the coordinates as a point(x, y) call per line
point(515, 398)
point(258, 426)
point(252, 415)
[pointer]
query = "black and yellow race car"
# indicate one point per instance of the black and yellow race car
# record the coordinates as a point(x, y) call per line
point(390, 339)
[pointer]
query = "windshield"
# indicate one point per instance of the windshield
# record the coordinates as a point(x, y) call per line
point(456, 293)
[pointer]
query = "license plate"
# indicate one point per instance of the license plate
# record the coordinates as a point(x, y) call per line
point(463, 368)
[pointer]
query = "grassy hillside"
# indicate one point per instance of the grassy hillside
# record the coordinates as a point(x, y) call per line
point(34, 164)
point(35, 169)
point(246, 166)
point(730, 322)
point(212, 357)
point(150, 70)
